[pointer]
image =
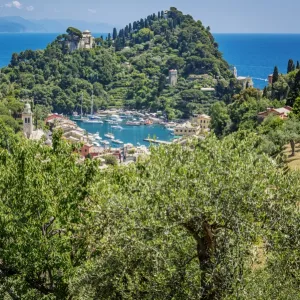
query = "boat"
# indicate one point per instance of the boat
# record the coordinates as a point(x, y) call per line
point(117, 127)
point(105, 142)
point(94, 121)
point(133, 123)
point(96, 144)
point(117, 142)
point(170, 129)
point(109, 135)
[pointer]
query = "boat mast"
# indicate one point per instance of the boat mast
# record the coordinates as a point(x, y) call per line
point(92, 107)
point(81, 105)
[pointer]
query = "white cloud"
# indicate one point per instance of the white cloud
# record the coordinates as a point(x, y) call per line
point(30, 8)
point(15, 4)
point(92, 11)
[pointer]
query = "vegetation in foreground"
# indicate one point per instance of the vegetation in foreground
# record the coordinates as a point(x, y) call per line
point(183, 224)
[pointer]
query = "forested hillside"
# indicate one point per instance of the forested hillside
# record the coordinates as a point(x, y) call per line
point(129, 68)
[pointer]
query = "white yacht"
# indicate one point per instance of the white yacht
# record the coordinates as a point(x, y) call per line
point(105, 142)
point(117, 142)
point(117, 127)
point(109, 135)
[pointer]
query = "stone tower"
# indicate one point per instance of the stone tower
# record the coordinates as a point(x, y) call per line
point(235, 72)
point(27, 121)
point(173, 76)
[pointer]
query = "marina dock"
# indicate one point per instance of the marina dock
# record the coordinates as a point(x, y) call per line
point(157, 142)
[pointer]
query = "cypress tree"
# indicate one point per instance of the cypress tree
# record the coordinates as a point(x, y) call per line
point(146, 23)
point(298, 65)
point(265, 92)
point(130, 28)
point(158, 15)
point(126, 32)
point(115, 34)
point(142, 24)
point(291, 66)
point(162, 14)
point(275, 75)
point(109, 37)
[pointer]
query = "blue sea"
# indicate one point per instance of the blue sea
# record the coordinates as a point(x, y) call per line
point(256, 55)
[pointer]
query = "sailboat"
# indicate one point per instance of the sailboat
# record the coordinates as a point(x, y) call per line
point(80, 117)
point(92, 118)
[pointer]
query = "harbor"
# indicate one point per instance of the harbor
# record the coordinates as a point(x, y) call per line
point(118, 131)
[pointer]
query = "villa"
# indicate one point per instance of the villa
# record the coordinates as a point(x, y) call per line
point(282, 112)
point(186, 129)
point(202, 120)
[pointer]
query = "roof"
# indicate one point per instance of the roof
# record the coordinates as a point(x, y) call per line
point(185, 125)
point(204, 116)
point(86, 31)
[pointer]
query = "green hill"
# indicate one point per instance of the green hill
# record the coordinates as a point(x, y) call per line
point(129, 68)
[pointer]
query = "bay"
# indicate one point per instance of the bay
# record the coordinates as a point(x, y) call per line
point(129, 134)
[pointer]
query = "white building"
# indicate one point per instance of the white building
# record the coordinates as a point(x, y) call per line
point(173, 77)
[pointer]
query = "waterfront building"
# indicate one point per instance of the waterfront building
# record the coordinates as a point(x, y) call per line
point(173, 77)
point(246, 82)
point(282, 112)
point(202, 120)
point(270, 78)
point(186, 129)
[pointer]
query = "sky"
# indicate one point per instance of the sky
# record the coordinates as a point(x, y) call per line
point(223, 16)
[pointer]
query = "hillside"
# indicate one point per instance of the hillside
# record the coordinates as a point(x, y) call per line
point(129, 68)
point(17, 24)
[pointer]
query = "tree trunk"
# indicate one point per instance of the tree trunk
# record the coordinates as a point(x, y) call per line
point(201, 230)
point(292, 142)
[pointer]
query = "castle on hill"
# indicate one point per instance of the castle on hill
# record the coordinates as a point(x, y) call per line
point(87, 41)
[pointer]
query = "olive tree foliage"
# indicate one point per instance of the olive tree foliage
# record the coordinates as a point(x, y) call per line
point(182, 224)
point(44, 224)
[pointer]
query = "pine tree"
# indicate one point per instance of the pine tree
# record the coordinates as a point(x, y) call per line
point(275, 75)
point(291, 66)
point(115, 34)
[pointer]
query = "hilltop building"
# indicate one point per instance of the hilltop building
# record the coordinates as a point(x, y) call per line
point(173, 77)
point(28, 130)
point(245, 81)
point(86, 42)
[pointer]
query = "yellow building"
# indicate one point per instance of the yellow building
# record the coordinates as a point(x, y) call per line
point(186, 129)
point(202, 120)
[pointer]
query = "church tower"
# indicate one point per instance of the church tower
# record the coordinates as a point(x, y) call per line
point(27, 121)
